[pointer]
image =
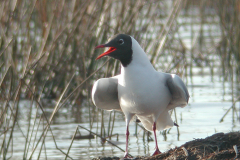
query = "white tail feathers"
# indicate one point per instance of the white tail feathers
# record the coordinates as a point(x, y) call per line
point(164, 121)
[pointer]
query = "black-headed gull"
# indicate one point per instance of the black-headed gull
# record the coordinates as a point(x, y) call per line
point(139, 90)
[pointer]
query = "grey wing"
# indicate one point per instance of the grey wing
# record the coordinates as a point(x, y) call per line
point(105, 93)
point(178, 90)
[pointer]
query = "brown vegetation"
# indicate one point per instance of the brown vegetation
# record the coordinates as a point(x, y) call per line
point(215, 147)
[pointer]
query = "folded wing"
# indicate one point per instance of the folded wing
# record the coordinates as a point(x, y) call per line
point(178, 90)
point(105, 93)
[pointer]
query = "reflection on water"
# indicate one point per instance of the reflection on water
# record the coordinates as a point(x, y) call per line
point(208, 103)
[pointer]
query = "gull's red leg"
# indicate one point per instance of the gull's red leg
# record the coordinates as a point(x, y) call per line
point(126, 151)
point(156, 152)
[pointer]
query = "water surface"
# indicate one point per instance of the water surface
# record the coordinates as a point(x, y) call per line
point(210, 99)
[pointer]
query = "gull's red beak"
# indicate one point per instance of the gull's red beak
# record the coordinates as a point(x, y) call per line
point(111, 49)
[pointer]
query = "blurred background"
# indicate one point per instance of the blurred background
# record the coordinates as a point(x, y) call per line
point(48, 67)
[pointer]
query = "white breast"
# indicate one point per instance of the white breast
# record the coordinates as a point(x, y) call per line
point(141, 89)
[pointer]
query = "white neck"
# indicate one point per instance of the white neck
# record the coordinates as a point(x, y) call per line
point(139, 57)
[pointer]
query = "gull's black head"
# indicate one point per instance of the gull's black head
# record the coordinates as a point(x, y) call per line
point(120, 47)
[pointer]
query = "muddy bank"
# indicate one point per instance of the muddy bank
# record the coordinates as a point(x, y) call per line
point(215, 147)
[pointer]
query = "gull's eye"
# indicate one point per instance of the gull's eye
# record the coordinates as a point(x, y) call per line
point(120, 41)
